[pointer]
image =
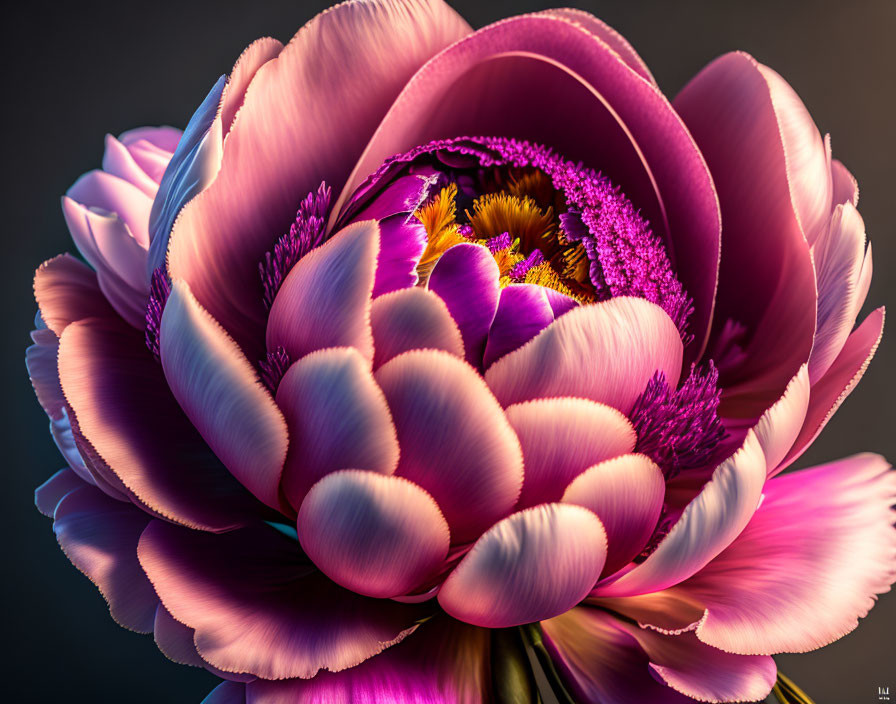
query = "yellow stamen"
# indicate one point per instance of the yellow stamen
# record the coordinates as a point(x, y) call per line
point(438, 217)
point(533, 184)
point(496, 213)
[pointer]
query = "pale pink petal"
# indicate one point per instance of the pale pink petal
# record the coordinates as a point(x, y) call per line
point(409, 319)
point(376, 535)
point(328, 88)
point(606, 352)
point(779, 426)
point(66, 291)
point(455, 441)
point(259, 607)
point(532, 565)
point(97, 189)
point(254, 56)
point(561, 438)
point(118, 161)
point(220, 392)
point(845, 186)
point(626, 494)
point(163, 138)
point(864, 282)
point(706, 527)
point(325, 299)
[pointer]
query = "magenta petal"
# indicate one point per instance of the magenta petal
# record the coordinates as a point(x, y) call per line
point(523, 311)
point(561, 438)
point(337, 419)
point(443, 662)
point(455, 441)
point(606, 352)
point(403, 239)
point(48, 495)
point(376, 535)
point(329, 292)
point(532, 565)
point(411, 319)
point(466, 278)
point(626, 494)
point(257, 607)
point(66, 291)
point(99, 535)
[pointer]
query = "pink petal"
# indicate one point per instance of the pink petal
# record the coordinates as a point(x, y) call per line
point(337, 419)
point(455, 441)
point(99, 535)
point(561, 438)
point(220, 392)
point(257, 607)
point(325, 300)
point(606, 352)
point(254, 56)
point(376, 535)
point(163, 138)
point(98, 189)
point(443, 662)
point(118, 161)
point(66, 291)
point(845, 186)
point(48, 495)
point(329, 88)
point(134, 433)
point(466, 278)
point(779, 426)
point(809, 564)
point(614, 120)
point(838, 382)
point(532, 565)
point(864, 282)
point(708, 525)
point(410, 319)
point(626, 494)
point(733, 101)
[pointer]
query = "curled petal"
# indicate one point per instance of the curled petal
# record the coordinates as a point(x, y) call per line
point(48, 495)
point(66, 291)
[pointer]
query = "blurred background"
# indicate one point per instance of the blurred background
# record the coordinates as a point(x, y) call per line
point(74, 71)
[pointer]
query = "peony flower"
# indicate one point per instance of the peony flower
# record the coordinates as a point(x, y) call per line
point(384, 382)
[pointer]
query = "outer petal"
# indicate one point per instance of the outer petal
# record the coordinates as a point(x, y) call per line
point(48, 495)
point(532, 565)
point(707, 526)
point(410, 319)
point(734, 101)
point(220, 392)
point(780, 424)
point(66, 291)
point(328, 88)
point(147, 448)
point(626, 494)
point(561, 438)
point(376, 535)
point(99, 535)
point(466, 278)
point(328, 291)
point(455, 441)
point(258, 608)
point(606, 352)
point(337, 417)
point(444, 662)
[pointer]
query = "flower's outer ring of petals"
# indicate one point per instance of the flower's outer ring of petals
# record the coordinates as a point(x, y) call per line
point(329, 87)
point(780, 425)
point(561, 438)
point(259, 608)
point(148, 449)
point(443, 662)
point(615, 120)
point(466, 278)
point(66, 291)
point(606, 352)
point(221, 394)
point(829, 392)
point(99, 535)
point(48, 495)
point(706, 527)
point(532, 565)
point(626, 494)
point(410, 319)
point(730, 102)
point(455, 440)
point(809, 564)
point(338, 419)
point(377, 535)
point(325, 300)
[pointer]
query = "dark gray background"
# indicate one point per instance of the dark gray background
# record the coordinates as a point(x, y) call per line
point(74, 71)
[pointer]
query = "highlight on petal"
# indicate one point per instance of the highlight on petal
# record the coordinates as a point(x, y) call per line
point(626, 494)
point(409, 319)
point(561, 438)
point(325, 300)
point(606, 352)
point(337, 418)
point(455, 441)
point(779, 426)
point(220, 392)
point(532, 565)
point(377, 535)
